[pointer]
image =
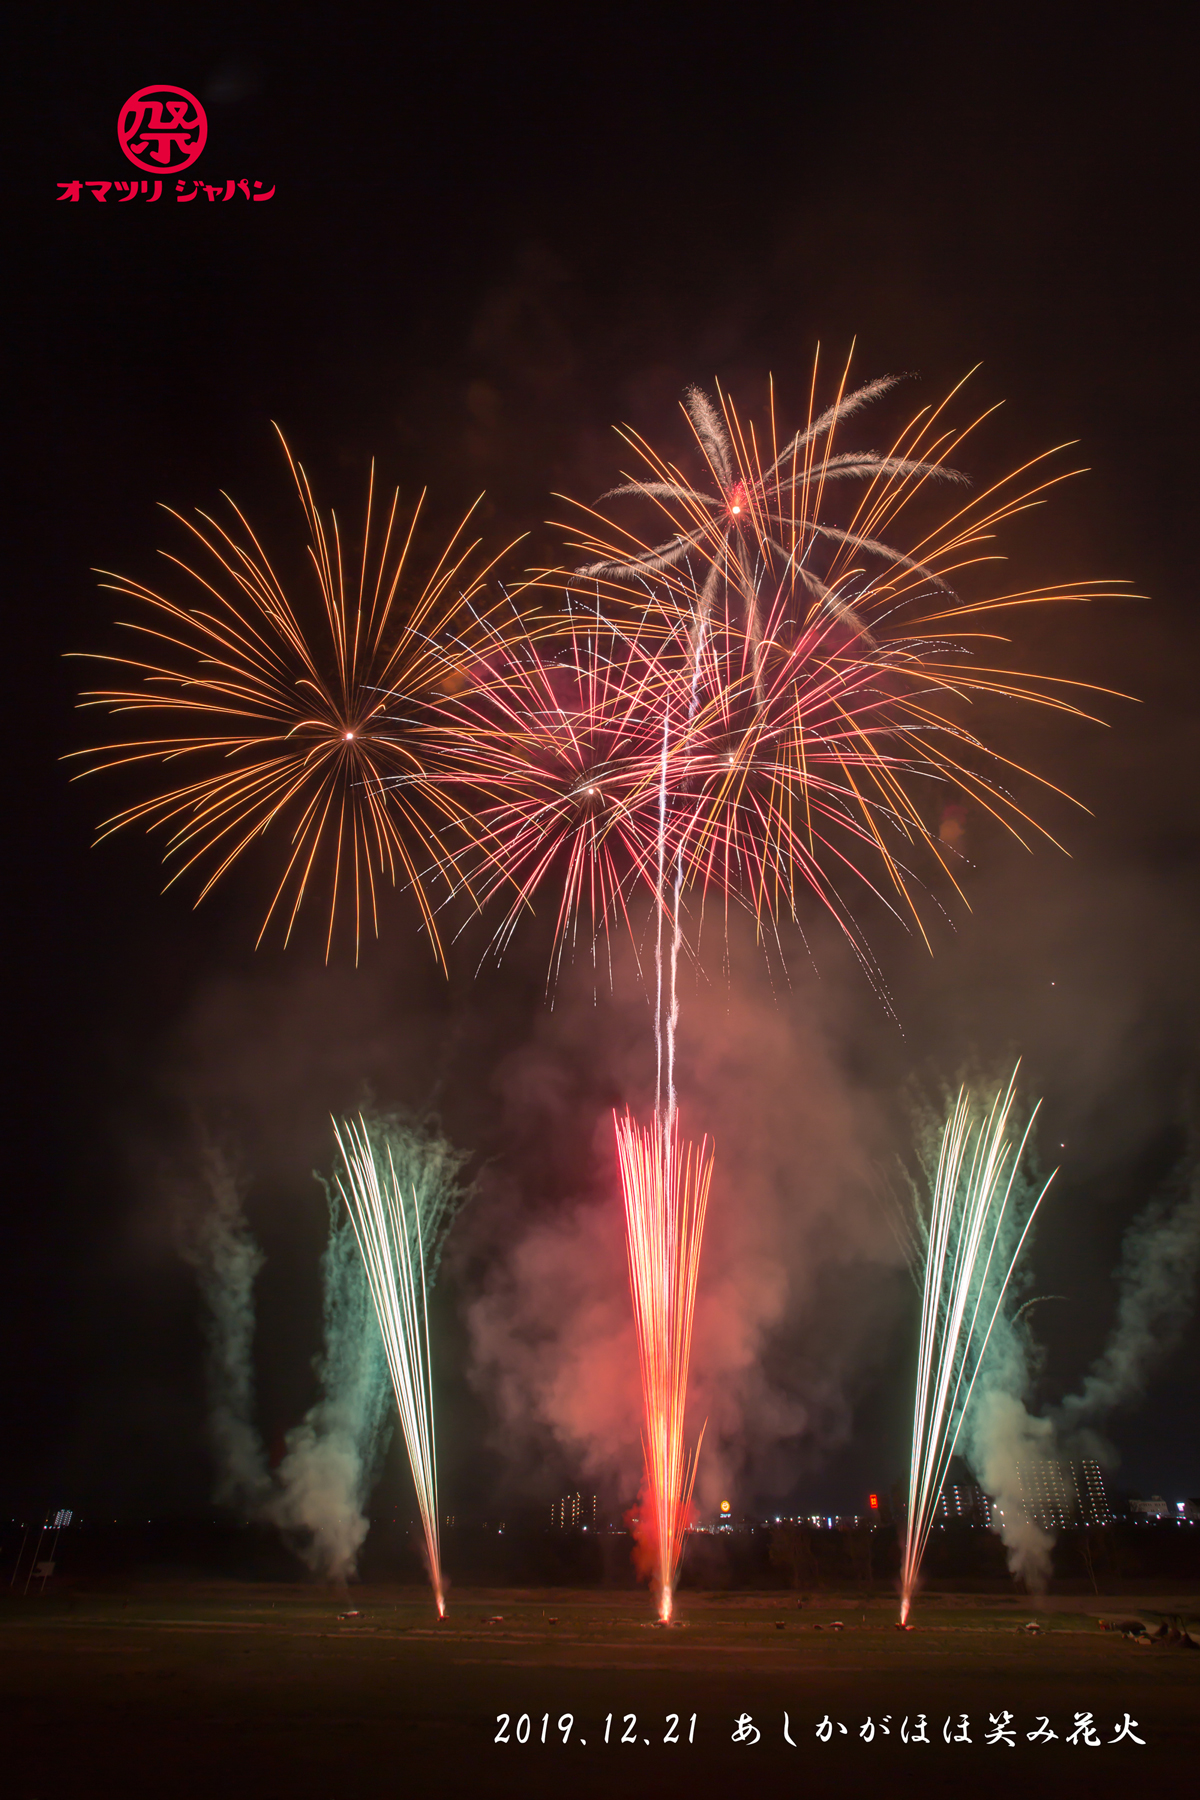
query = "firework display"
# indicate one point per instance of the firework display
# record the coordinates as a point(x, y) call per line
point(303, 719)
point(555, 746)
point(749, 708)
point(665, 1186)
point(762, 702)
point(398, 1239)
point(972, 1239)
point(822, 673)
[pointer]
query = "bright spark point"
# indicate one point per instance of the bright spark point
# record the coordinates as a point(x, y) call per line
point(969, 1229)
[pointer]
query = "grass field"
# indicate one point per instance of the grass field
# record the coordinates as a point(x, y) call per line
point(235, 1690)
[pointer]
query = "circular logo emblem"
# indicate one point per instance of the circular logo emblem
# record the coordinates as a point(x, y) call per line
point(162, 128)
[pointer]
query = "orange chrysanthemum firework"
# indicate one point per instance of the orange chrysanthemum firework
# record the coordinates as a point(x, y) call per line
point(298, 724)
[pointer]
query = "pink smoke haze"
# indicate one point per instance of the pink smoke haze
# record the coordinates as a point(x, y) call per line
point(552, 1332)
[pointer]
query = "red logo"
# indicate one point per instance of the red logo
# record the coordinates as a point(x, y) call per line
point(162, 128)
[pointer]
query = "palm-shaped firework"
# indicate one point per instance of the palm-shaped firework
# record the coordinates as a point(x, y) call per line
point(762, 512)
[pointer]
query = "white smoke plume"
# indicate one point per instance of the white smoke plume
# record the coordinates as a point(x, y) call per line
point(1156, 1279)
point(333, 1457)
point(1156, 1283)
point(317, 1494)
point(1001, 1436)
point(221, 1248)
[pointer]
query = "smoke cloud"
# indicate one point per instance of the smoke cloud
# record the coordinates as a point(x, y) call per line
point(554, 1350)
point(317, 1494)
point(221, 1248)
point(1156, 1281)
point(333, 1457)
point(999, 1436)
point(796, 1262)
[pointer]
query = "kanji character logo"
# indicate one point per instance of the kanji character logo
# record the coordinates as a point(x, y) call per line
point(162, 127)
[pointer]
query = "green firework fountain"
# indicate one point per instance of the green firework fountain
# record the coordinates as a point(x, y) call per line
point(969, 1258)
point(402, 1190)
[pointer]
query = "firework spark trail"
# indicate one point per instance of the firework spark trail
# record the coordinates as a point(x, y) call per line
point(765, 705)
point(698, 644)
point(665, 1189)
point(823, 689)
point(968, 1266)
point(658, 925)
point(665, 1186)
point(559, 751)
point(320, 734)
point(388, 1226)
point(754, 505)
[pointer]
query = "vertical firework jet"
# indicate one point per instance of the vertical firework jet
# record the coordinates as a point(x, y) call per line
point(395, 1244)
point(665, 1186)
point(969, 1259)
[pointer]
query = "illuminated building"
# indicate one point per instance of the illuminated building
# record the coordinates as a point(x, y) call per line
point(964, 1500)
point(574, 1512)
point(1057, 1495)
point(1094, 1508)
point(1053, 1495)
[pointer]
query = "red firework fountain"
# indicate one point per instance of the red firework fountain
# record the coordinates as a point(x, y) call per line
point(665, 1186)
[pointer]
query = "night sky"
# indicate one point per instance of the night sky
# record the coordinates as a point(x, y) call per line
point(496, 233)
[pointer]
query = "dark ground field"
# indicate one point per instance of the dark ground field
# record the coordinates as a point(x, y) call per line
point(233, 1689)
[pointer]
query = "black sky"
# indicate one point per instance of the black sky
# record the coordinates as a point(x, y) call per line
point(495, 233)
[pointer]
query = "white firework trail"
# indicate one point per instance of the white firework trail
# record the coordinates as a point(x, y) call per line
point(971, 1224)
point(387, 1224)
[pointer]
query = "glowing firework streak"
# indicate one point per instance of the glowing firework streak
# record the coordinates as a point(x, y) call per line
point(559, 754)
point(751, 707)
point(387, 1225)
point(823, 670)
point(971, 1223)
point(304, 715)
point(665, 1186)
